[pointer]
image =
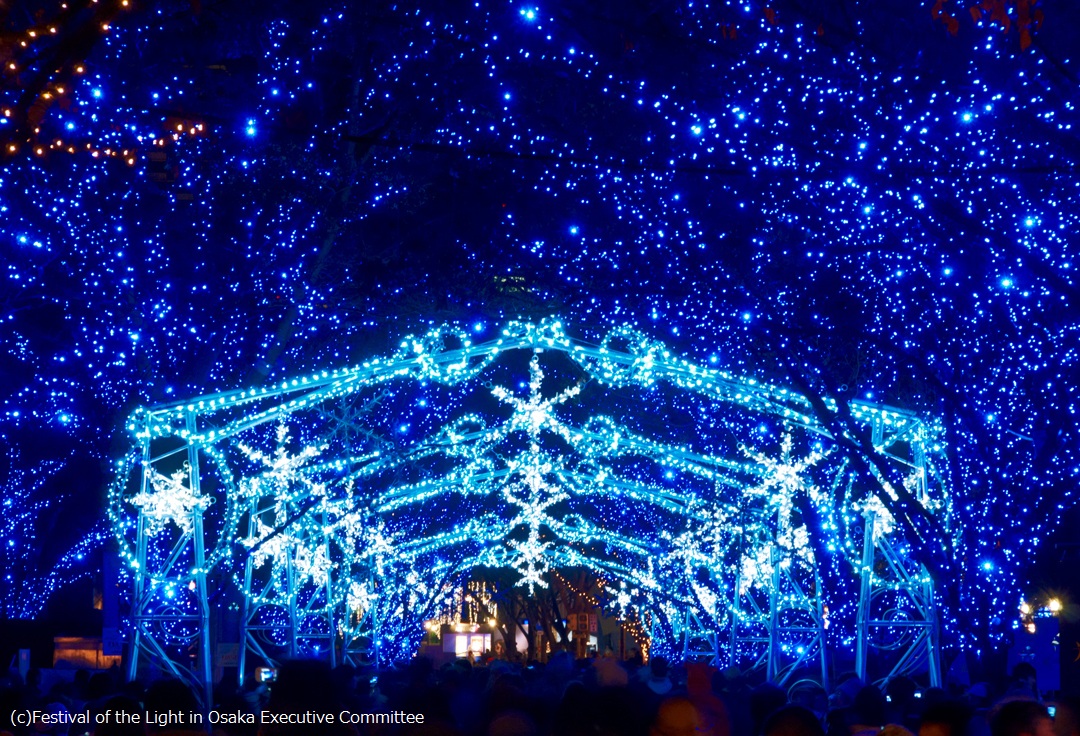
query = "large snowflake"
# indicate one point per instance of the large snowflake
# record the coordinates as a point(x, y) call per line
point(535, 413)
point(169, 500)
point(784, 478)
point(533, 495)
point(530, 490)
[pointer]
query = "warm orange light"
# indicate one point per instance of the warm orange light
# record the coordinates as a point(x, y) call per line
point(79, 69)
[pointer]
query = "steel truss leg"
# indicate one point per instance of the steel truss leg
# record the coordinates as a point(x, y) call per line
point(914, 609)
point(151, 593)
point(284, 592)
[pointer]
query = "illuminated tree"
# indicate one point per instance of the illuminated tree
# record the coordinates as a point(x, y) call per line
point(847, 201)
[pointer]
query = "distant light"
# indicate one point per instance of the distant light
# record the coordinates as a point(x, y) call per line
point(478, 327)
point(528, 13)
point(966, 117)
point(1054, 605)
point(573, 229)
point(506, 96)
point(696, 129)
point(862, 146)
point(988, 566)
point(250, 130)
point(1006, 282)
point(70, 126)
point(1029, 222)
point(96, 93)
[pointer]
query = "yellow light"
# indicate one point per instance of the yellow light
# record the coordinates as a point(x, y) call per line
point(1054, 605)
point(1030, 627)
point(80, 69)
point(1024, 607)
point(492, 622)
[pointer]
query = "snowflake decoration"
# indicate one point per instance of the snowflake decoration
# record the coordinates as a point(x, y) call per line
point(170, 500)
point(267, 545)
point(534, 496)
point(531, 560)
point(313, 562)
point(535, 413)
point(283, 471)
point(784, 479)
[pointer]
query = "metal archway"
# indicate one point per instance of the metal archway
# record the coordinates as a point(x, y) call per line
point(338, 507)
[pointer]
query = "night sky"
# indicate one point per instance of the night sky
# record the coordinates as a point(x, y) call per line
point(865, 200)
